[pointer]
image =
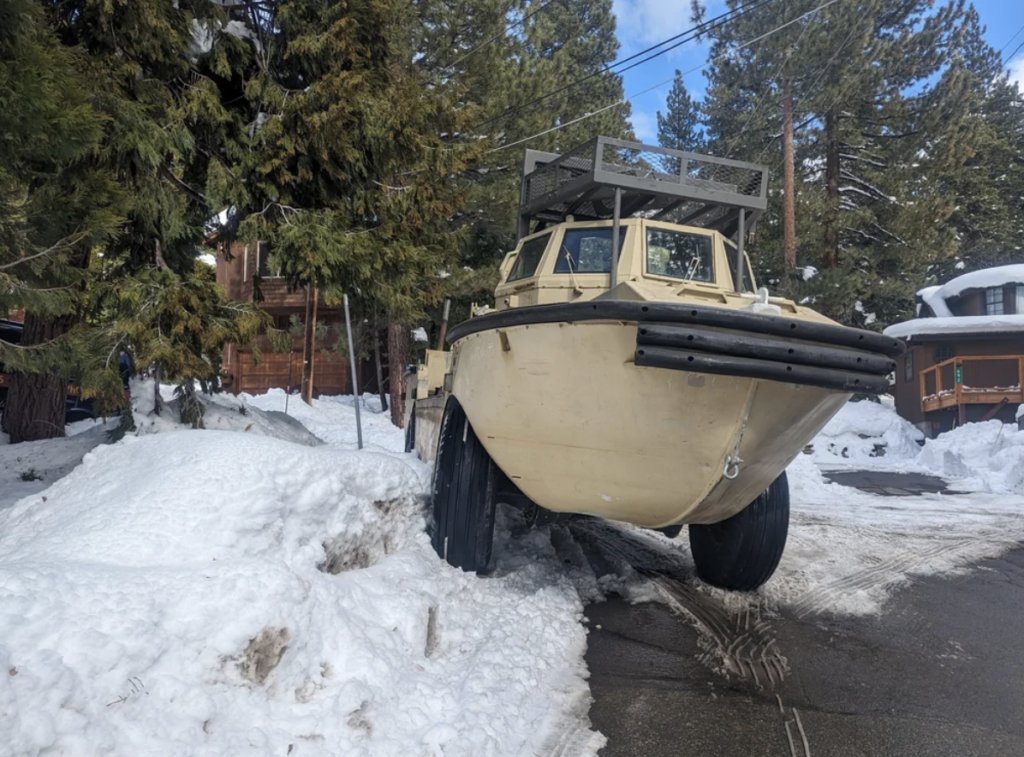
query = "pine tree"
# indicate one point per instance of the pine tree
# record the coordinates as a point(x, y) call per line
point(53, 207)
point(868, 106)
point(679, 128)
point(348, 171)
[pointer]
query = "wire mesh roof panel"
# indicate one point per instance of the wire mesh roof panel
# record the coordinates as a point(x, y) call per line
point(658, 182)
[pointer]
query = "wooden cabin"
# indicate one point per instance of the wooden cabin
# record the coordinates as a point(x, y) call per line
point(237, 265)
point(965, 352)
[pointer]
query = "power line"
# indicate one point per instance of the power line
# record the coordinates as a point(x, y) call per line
point(1015, 51)
point(623, 101)
point(690, 35)
point(1011, 39)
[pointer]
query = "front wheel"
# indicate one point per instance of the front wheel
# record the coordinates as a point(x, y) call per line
point(742, 552)
point(462, 494)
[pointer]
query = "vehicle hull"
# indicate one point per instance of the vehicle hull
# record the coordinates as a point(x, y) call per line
point(578, 426)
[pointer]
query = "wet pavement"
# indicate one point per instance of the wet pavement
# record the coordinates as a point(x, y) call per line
point(939, 673)
point(889, 484)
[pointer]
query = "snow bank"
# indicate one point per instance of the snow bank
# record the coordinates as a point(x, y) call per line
point(225, 593)
point(966, 324)
point(223, 412)
point(863, 432)
point(332, 419)
point(986, 456)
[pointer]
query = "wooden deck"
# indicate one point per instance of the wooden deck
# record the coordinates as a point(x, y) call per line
point(993, 380)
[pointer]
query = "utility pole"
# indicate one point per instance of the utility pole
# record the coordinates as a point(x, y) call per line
point(308, 345)
point(788, 177)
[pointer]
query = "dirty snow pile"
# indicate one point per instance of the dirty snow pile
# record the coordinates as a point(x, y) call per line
point(225, 593)
point(863, 432)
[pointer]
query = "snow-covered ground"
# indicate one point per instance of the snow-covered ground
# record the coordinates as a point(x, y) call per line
point(221, 592)
point(256, 588)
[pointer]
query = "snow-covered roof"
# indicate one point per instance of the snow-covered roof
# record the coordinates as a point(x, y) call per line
point(983, 279)
point(932, 297)
point(968, 324)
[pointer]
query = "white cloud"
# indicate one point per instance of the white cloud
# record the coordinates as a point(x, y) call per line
point(1016, 67)
point(645, 126)
point(642, 23)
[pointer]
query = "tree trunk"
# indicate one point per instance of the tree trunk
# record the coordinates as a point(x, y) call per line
point(398, 358)
point(36, 402)
point(158, 401)
point(380, 369)
point(832, 190)
point(308, 343)
point(788, 178)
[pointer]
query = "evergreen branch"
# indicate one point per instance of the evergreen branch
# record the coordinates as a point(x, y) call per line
point(61, 243)
point(167, 174)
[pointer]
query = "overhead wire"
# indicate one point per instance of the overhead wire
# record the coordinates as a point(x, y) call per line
point(625, 100)
point(1011, 39)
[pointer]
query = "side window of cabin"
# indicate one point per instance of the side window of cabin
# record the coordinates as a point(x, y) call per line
point(587, 250)
point(908, 366)
point(748, 277)
point(528, 258)
point(679, 255)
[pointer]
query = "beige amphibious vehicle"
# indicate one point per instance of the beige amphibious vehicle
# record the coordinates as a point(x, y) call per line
point(631, 370)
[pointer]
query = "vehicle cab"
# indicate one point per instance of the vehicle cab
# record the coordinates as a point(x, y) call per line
point(571, 262)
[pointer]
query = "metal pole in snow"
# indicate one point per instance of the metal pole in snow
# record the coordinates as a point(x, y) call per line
point(444, 324)
point(352, 364)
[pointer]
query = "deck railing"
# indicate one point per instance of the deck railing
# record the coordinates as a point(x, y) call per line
point(973, 380)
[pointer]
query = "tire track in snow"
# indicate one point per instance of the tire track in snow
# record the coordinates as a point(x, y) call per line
point(737, 642)
point(880, 574)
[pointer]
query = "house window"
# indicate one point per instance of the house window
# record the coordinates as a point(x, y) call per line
point(944, 352)
point(1020, 298)
point(262, 258)
point(994, 301)
point(908, 366)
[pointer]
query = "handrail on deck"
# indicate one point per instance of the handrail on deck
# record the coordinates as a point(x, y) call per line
point(955, 395)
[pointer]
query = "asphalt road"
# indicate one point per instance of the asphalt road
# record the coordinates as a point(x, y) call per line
point(940, 673)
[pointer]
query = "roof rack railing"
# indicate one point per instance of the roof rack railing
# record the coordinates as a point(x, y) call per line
point(653, 182)
point(612, 179)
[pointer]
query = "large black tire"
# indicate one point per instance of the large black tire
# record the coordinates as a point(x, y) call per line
point(410, 431)
point(462, 494)
point(741, 553)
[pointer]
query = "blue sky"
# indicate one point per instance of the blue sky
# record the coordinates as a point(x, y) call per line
point(642, 23)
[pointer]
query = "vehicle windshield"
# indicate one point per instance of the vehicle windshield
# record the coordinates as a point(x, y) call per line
point(680, 255)
point(587, 250)
point(528, 258)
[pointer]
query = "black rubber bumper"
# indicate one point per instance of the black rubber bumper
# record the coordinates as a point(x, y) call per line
point(727, 342)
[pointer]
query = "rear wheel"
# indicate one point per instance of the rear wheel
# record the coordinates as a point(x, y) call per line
point(742, 552)
point(462, 494)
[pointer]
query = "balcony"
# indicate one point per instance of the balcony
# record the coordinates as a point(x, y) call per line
point(993, 380)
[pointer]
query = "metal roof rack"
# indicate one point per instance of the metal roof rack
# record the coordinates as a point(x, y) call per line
point(653, 182)
point(609, 178)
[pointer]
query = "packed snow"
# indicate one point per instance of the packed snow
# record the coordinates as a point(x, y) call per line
point(866, 434)
point(965, 324)
point(216, 592)
point(248, 588)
